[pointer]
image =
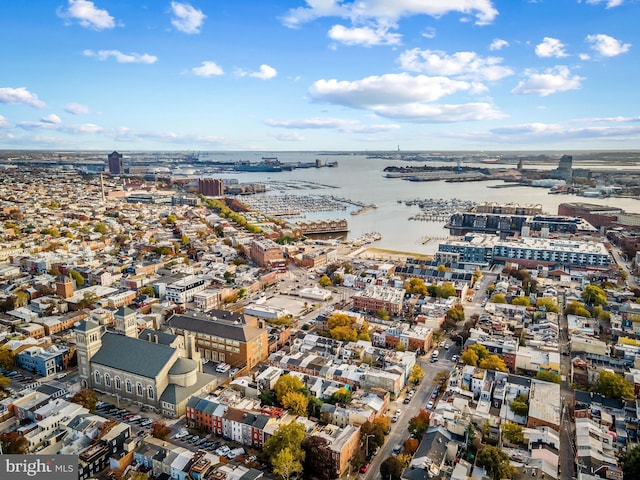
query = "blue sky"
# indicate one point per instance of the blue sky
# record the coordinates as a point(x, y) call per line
point(276, 75)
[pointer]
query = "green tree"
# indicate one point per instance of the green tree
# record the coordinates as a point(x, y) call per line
point(631, 463)
point(594, 295)
point(285, 463)
point(498, 298)
point(148, 291)
point(441, 378)
point(456, 313)
point(470, 357)
point(615, 386)
point(160, 430)
point(419, 424)
point(493, 362)
point(477, 275)
point(416, 374)
point(171, 219)
point(13, 443)
point(286, 384)
point(100, 228)
point(382, 314)
point(286, 436)
point(496, 463)
point(520, 405)
point(481, 351)
point(522, 301)
point(513, 432)
point(314, 406)
point(77, 277)
point(325, 281)
point(87, 398)
point(416, 285)
point(549, 304)
point(547, 376)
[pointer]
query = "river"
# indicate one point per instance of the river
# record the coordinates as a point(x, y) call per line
point(362, 179)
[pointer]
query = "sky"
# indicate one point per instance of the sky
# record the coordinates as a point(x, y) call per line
point(296, 75)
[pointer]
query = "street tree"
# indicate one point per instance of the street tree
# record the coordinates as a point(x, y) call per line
point(577, 308)
point(325, 281)
point(419, 424)
point(456, 313)
point(481, 351)
point(416, 285)
point(416, 374)
point(382, 314)
point(391, 468)
point(7, 357)
point(410, 445)
point(522, 301)
point(498, 298)
point(447, 290)
point(441, 378)
point(470, 357)
point(547, 304)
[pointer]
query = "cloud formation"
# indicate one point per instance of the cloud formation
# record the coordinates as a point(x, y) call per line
point(120, 57)
point(607, 46)
point(498, 44)
point(266, 72)
point(87, 15)
point(551, 47)
point(20, 95)
point(208, 69)
point(364, 36)
point(465, 65)
point(552, 80)
point(609, 3)
point(3, 122)
point(387, 12)
point(52, 118)
point(186, 18)
point(77, 109)
point(340, 124)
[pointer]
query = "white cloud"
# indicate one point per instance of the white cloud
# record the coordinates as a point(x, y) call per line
point(20, 95)
point(553, 80)
point(266, 72)
point(551, 47)
point(429, 32)
point(461, 64)
point(607, 46)
point(187, 19)
point(208, 69)
point(584, 56)
point(87, 15)
point(550, 131)
point(120, 57)
point(433, 113)
point(3, 122)
point(365, 36)
point(389, 89)
point(385, 11)
point(289, 137)
point(52, 118)
point(47, 124)
point(77, 109)
point(498, 44)
point(610, 3)
point(340, 124)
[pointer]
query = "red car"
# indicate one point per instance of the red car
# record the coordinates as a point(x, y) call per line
point(363, 468)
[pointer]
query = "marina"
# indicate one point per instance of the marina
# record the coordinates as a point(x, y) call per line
point(437, 209)
point(289, 205)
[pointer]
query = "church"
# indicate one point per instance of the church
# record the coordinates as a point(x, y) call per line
point(152, 369)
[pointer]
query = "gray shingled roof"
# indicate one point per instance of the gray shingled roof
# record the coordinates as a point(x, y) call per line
point(182, 366)
point(221, 328)
point(175, 394)
point(132, 355)
point(163, 338)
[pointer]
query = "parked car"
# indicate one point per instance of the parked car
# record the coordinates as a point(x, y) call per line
point(430, 405)
point(396, 450)
point(394, 419)
point(223, 450)
point(364, 468)
point(235, 452)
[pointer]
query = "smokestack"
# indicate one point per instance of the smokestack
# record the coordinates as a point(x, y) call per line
point(102, 188)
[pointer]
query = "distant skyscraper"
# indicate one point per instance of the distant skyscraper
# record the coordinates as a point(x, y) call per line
point(211, 187)
point(115, 163)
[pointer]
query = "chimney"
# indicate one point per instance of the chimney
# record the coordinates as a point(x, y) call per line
point(148, 337)
point(155, 339)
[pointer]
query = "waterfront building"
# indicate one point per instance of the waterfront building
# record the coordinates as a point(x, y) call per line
point(484, 250)
point(596, 215)
point(211, 187)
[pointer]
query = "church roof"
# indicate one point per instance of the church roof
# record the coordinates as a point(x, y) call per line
point(175, 394)
point(132, 355)
point(87, 325)
point(124, 312)
point(182, 366)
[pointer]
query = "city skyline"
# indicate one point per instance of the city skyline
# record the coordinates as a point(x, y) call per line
point(320, 75)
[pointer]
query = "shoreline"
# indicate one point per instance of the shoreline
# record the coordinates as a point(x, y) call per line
point(386, 254)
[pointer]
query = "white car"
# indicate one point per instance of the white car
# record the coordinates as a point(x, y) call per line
point(430, 405)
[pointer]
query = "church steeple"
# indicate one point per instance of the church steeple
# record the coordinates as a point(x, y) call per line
point(125, 322)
